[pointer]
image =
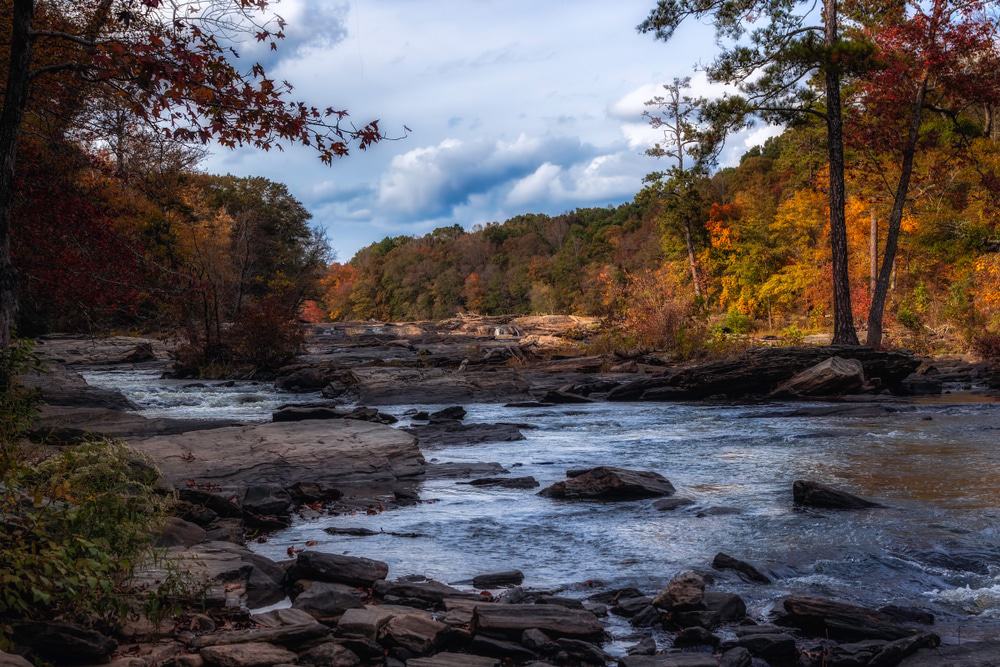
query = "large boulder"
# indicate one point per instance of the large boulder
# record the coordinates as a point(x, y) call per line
point(351, 570)
point(12, 660)
point(684, 592)
point(64, 643)
point(327, 601)
point(511, 620)
point(416, 633)
point(820, 617)
point(831, 377)
point(609, 483)
point(814, 494)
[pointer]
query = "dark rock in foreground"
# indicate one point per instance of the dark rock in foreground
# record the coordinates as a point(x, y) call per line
point(498, 579)
point(297, 413)
point(554, 620)
point(506, 482)
point(64, 642)
point(350, 570)
point(824, 618)
point(744, 569)
point(609, 483)
point(814, 494)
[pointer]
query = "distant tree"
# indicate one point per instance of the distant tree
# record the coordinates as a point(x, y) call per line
point(936, 59)
point(676, 115)
point(172, 65)
point(779, 63)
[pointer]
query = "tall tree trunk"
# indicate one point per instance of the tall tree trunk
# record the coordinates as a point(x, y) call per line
point(872, 255)
point(692, 259)
point(877, 311)
point(14, 101)
point(843, 317)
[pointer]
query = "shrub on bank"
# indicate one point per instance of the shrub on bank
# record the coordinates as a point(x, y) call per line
point(74, 524)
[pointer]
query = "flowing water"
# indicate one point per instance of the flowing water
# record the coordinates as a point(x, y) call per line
point(936, 466)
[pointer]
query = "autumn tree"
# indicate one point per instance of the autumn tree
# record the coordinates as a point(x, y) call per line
point(171, 65)
point(938, 61)
point(784, 68)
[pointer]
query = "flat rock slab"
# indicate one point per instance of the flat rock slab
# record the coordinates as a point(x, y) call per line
point(453, 660)
point(327, 453)
point(973, 654)
point(670, 660)
point(609, 483)
point(78, 351)
point(58, 386)
point(455, 433)
point(824, 618)
point(387, 385)
point(555, 620)
point(247, 655)
point(61, 423)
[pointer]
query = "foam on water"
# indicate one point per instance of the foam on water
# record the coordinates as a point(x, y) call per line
point(933, 545)
point(195, 399)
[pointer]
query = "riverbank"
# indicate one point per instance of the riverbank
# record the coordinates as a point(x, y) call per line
point(337, 474)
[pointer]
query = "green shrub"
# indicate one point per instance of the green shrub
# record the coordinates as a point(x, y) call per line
point(792, 335)
point(75, 525)
point(737, 323)
point(909, 318)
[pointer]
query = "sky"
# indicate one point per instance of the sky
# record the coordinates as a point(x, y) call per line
point(514, 106)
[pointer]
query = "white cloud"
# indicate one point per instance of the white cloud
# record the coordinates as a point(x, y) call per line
point(516, 106)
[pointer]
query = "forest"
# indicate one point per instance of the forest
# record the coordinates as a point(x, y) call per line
point(760, 246)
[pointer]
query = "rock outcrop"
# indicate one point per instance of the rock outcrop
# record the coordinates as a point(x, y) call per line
point(335, 453)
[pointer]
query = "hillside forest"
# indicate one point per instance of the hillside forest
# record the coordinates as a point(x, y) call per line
point(114, 226)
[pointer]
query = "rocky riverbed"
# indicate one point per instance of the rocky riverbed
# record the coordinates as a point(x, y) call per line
point(666, 533)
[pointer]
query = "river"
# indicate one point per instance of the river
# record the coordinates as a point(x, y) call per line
point(936, 465)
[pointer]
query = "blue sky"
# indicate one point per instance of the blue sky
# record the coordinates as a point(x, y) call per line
point(515, 106)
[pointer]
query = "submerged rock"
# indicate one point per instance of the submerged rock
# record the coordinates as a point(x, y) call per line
point(609, 483)
point(498, 579)
point(814, 494)
point(453, 413)
point(453, 433)
point(506, 482)
point(668, 504)
point(744, 569)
